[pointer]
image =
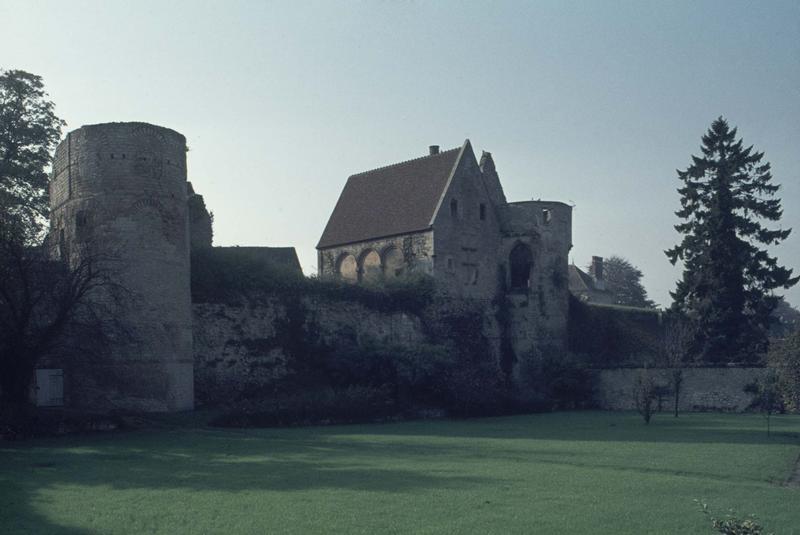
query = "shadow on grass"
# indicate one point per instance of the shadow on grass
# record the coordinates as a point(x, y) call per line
point(601, 426)
point(198, 460)
point(385, 458)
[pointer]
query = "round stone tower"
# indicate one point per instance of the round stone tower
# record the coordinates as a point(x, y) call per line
point(120, 189)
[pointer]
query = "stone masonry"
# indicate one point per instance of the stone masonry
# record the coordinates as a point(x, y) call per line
point(119, 190)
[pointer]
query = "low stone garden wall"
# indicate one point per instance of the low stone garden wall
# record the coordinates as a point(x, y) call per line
point(702, 389)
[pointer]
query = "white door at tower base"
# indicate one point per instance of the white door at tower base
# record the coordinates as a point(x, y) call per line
point(49, 387)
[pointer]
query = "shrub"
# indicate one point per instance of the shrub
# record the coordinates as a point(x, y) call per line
point(229, 275)
point(611, 335)
point(474, 384)
point(733, 524)
point(476, 391)
point(415, 374)
point(766, 395)
point(24, 421)
point(557, 381)
point(784, 358)
point(354, 404)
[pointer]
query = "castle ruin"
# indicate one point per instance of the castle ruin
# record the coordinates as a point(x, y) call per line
point(120, 190)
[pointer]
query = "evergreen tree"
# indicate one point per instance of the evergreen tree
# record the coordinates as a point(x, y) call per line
point(728, 281)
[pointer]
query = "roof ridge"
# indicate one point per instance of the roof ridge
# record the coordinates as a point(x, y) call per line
point(404, 162)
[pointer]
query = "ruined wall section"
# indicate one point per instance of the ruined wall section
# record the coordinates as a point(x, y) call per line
point(538, 311)
point(241, 349)
point(201, 232)
point(119, 190)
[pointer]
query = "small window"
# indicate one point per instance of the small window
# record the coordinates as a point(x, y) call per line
point(454, 208)
point(547, 216)
point(482, 210)
point(450, 264)
point(81, 219)
point(82, 226)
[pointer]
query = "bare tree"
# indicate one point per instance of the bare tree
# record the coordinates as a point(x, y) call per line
point(677, 340)
point(644, 394)
point(48, 305)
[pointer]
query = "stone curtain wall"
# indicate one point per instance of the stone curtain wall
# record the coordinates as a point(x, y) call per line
point(246, 347)
point(703, 389)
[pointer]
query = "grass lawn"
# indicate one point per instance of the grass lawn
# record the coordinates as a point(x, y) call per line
point(581, 472)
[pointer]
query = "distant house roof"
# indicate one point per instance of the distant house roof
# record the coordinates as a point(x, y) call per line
point(283, 257)
point(583, 285)
point(392, 200)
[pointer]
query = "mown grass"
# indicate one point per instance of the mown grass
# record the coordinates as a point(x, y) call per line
point(582, 472)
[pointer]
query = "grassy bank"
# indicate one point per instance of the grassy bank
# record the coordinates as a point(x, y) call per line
point(583, 472)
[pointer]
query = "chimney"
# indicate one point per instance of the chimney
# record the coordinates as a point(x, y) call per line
point(596, 271)
point(434, 149)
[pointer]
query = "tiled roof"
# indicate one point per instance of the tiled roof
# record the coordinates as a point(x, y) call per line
point(283, 257)
point(579, 281)
point(392, 200)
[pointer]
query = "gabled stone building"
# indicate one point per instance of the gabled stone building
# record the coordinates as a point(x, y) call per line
point(446, 215)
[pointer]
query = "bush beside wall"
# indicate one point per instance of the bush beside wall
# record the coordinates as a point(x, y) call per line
point(610, 336)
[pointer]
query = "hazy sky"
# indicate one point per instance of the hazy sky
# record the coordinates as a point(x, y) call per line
point(591, 103)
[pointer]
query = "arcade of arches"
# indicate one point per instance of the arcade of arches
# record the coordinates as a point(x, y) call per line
point(371, 266)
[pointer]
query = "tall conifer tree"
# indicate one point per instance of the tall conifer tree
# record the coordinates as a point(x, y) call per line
point(729, 277)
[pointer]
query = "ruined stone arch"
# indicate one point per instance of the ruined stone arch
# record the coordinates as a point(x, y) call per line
point(520, 264)
point(347, 267)
point(393, 261)
point(369, 265)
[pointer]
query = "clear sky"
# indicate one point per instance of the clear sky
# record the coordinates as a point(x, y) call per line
point(591, 103)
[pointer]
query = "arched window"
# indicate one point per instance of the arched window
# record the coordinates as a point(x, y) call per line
point(347, 268)
point(393, 262)
point(370, 266)
point(454, 209)
point(520, 263)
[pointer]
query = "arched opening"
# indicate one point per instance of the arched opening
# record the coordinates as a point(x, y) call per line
point(62, 246)
point(393, 262)
point(520, 263)
point(347, 268)
point(370, 266)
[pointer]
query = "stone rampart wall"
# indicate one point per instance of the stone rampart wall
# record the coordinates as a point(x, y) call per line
point(247, 347)
point(702, 389)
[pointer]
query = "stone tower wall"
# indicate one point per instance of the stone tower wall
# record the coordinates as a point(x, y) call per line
point(120, 190)
point(539, 314)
